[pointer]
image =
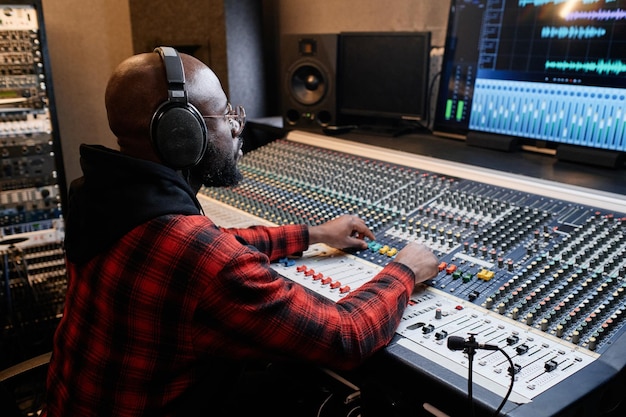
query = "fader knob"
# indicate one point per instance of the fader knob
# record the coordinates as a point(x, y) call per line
point(559, 330)
point(551, 365)
point(529, 319)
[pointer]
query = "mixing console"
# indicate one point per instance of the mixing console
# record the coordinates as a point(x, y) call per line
point(539, 276)
point(551, 264)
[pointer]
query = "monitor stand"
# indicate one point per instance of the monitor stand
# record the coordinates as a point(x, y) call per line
point(590, 156)
point(491, 141)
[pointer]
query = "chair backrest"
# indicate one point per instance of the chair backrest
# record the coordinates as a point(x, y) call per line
point(22, 386)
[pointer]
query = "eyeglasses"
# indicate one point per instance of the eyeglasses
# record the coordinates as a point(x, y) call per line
point(236, 118)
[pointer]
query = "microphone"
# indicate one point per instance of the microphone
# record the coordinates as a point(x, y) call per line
point(458, 343)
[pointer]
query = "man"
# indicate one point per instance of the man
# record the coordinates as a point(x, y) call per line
point(164, 309)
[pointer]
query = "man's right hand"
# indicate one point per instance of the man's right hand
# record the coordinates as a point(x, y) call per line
point(420, 259)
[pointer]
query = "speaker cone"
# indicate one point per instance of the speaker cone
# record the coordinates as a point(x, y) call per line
point(308, 85)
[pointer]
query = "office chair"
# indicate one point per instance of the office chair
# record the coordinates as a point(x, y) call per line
point(22, 387)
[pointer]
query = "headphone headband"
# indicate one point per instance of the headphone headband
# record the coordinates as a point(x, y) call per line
point(176, 89)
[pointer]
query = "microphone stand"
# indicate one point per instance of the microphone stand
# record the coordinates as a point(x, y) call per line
point(470, 347)
point(471, 351)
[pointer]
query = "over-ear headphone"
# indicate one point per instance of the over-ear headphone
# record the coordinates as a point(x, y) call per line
point(177, 129)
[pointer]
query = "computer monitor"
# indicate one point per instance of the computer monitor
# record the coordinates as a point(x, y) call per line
point(382, 79)
point(550, 73)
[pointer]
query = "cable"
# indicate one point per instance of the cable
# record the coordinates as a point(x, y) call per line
point(319, 411)
point(429, 104)
point(430, 97)
point(469, 381)
point(470, 346)
point(356, 409)
point(506, 397)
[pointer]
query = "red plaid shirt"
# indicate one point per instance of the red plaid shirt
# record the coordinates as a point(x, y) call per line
point(144, 318)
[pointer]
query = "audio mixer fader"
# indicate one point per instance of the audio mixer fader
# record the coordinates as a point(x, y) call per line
point(539, 276)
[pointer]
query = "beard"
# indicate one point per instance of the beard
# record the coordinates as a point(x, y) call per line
point(218, 167)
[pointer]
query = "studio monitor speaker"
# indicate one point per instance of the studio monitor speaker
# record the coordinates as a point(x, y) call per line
point(308, 68)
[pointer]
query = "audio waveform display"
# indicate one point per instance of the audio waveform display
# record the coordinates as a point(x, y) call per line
point(539, 3)
point(586, 116)
point(602, 14)
point(542, 47)
point(600, 67)
point(573, 32)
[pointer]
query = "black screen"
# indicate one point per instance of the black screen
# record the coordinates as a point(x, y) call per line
point(383, 76)
point(546, 71)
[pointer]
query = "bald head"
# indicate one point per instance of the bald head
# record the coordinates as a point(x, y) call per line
point(139, 85)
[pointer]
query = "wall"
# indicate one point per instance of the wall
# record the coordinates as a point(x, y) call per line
point(193, 26)
point(239, 39)
point(332, 16)
point(85, 43)
point(245, 55)
point(224, 34)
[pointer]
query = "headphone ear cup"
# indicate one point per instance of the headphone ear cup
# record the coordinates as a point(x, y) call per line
point(179, 134)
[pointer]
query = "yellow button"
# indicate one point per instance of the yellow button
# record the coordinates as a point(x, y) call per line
point(485, 275)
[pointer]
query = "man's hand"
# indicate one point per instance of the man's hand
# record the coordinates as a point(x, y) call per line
point(344, 232)
point(420, 259)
